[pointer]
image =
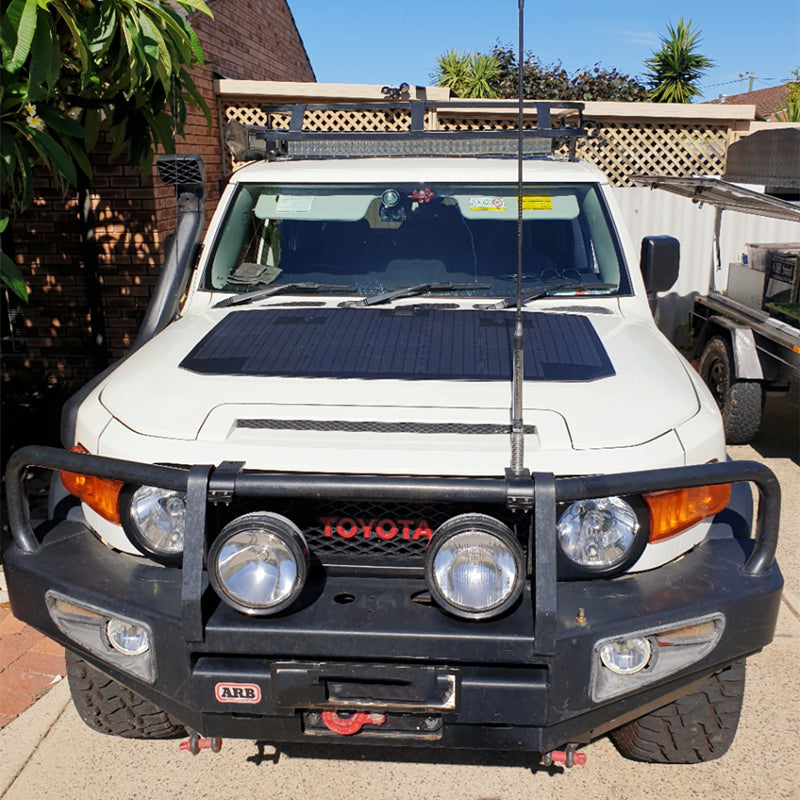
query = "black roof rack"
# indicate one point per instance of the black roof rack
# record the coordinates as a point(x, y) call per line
point(553, 120)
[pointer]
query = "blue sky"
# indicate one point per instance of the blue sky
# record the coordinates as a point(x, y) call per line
point(385, 42)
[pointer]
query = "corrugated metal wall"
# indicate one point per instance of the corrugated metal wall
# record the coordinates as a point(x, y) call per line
point(655, 212)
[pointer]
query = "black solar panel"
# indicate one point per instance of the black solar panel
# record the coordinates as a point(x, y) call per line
point(401, 343)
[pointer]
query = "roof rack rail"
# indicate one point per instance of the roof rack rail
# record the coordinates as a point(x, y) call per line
point(289, 134)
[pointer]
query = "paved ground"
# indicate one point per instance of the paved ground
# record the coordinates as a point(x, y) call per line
point(47, 752)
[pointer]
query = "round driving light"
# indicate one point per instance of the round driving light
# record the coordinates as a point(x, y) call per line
point(156, 521)
point(474, 566)
point(259, 563)
point(626, 656)
point(598, 534)
point(128, 638)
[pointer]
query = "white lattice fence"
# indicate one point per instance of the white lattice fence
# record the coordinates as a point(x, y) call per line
point(625, 148)
point(620, 149)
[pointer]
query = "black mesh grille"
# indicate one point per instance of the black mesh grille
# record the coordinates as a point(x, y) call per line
point(180, 170)
point(351, 426)
point(366, 534)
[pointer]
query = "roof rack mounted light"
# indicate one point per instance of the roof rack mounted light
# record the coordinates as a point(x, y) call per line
point(552, 121)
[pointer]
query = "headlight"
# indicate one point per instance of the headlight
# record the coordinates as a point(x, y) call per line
point(259, 562)
point(155, 520)
point(600, 535)
point(474, 566)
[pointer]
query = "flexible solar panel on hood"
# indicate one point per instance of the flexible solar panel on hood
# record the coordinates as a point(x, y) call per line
point(404, 343)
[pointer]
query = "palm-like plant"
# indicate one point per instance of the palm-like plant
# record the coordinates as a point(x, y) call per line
point(673, 71)
point(467, 74)
point(789, 111)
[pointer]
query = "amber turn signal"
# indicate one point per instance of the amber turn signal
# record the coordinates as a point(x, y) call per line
point(675, 511)
point(100, 494)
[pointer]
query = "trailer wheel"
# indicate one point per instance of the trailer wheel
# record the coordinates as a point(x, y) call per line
point(106, 706)
point(739, 401)
point(698, 727)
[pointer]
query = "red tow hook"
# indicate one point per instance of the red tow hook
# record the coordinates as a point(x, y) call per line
point(349, 725)
point(194, 744)
point(569, 757)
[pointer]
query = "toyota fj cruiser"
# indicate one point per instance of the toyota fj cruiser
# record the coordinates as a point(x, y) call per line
point(400, 457)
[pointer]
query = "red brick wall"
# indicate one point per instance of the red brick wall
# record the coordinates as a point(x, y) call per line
point(52, 343)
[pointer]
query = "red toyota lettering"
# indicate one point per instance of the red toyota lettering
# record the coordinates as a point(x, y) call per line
point(384, 532)
point(350, 531)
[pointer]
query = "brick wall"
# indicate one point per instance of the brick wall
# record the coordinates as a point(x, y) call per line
point(50, 340)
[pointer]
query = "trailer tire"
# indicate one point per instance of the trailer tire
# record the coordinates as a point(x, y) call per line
point(695, 728)
point(740, 401)
point(106, 706)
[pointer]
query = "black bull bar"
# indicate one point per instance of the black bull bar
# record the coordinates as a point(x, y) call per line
point(539, 492)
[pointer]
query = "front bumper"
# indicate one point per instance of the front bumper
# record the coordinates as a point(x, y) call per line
point(520, 681)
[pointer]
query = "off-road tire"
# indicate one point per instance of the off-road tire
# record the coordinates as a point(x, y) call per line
point(740, 401)
point(697, 727)
point(108, 707)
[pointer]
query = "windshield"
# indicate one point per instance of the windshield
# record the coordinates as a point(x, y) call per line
point(376, 238)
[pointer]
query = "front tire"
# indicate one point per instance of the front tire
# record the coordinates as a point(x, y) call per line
point(106, 706)
point(740, 402)
point(695, 728)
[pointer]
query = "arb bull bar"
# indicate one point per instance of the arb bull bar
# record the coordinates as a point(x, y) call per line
point(292, 675)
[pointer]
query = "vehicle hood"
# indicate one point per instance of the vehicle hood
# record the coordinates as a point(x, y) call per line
point(295, 384)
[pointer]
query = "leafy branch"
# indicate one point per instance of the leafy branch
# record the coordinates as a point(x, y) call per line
point(72, 66)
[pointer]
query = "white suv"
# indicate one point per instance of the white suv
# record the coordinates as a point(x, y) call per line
point(300, 515)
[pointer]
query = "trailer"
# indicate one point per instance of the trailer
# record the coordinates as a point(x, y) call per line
point(745, 331)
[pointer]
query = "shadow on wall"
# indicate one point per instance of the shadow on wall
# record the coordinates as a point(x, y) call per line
point(128, 247)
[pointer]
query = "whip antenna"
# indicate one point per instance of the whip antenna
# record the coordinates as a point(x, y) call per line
point(517, 428)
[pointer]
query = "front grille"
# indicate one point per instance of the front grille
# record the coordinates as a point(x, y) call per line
point(385, 534)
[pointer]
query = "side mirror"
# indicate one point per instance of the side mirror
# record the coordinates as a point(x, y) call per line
point(659, 262)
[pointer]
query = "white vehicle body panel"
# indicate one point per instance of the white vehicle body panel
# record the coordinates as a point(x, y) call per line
point(652, 412)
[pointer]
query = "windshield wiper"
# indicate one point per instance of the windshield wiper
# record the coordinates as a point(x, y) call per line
point(411, 291)
point(582, 289)
point(282, 288)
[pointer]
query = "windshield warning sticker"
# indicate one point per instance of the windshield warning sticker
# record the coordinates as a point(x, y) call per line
point(537, 203)
point(487, 204)
point(294, 203)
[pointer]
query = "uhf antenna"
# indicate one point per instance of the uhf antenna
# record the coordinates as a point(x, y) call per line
point(517, 428)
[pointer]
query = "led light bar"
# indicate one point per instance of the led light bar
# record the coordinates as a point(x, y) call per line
point(552, 121)
point(430, 144)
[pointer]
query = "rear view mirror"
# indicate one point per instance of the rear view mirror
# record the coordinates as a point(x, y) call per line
point(659, 262)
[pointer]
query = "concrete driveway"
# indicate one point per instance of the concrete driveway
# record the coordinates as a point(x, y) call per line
point(49, 753)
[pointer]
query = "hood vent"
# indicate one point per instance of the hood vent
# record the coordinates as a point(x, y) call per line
point(346, 426)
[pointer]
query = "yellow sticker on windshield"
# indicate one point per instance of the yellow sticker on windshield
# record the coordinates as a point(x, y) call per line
point(537, 203)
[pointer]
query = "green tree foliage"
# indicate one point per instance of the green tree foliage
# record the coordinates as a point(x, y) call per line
point(467, 74)
point(70, 66)
point(540, 81)
point(552, 82)
point(674, 69)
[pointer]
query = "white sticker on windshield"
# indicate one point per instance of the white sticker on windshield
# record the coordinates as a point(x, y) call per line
point(294, 203)
point(487, 204)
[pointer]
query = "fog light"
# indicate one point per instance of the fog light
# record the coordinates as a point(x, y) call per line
point(626, 656)
point(128, 638)
point(125, 644)
point(259, 562)
point(627, 663)
point(475, 566)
